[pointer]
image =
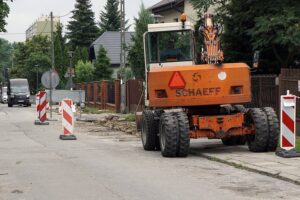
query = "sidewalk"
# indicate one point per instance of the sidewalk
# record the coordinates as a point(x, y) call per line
point(240, 157)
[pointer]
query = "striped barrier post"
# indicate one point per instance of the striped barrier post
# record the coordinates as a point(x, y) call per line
point(288, 126)
point(41, 106)
point(67, 120)
point(37, 102)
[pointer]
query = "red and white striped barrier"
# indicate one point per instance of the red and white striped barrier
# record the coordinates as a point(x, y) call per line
point(288, 122)
point(37, 103)
point(41, 108)
point(67, 120)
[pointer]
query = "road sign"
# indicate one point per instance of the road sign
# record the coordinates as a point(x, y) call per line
point(46, 79)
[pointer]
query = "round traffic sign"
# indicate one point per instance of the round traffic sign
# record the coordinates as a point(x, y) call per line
point(47, 81)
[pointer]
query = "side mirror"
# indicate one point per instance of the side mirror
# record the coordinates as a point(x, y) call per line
point(256, 59)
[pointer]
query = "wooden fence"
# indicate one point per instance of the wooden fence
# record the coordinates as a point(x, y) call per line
point(102, 94)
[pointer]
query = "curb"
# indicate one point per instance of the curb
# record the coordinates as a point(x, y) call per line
point(274, 174)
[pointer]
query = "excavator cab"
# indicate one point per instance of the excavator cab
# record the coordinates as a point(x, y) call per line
point(169, 44)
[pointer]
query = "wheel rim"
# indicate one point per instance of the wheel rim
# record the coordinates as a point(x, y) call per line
point(144, 134)
point(162, 138)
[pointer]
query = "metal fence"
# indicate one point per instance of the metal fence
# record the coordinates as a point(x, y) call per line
point(265, 91)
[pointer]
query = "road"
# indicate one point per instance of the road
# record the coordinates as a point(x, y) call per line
point(36, 165)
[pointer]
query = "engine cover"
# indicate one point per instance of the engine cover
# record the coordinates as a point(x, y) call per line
point(199, 85)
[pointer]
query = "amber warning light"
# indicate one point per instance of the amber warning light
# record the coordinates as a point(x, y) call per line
point(177, 81)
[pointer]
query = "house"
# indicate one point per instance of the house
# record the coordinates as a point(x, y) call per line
point(170, 10)
point(111, 41)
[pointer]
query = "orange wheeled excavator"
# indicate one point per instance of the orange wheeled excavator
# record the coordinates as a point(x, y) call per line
point(185, 100)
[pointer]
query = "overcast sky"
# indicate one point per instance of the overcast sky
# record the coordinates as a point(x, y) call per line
point(24, 12)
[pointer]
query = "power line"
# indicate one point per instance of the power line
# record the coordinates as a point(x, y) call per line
point(7, 33)
point(65, 15)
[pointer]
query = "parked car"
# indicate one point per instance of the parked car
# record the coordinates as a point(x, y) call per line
point(3, 95)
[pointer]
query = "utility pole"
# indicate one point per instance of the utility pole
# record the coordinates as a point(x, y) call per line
point(122, 54)
point(122, 31)
point(52, 62)
point(70, 69)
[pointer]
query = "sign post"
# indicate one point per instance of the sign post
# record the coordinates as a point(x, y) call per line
point(50, 80)
point(288, 126)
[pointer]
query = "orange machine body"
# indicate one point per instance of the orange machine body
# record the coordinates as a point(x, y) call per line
point(199, 85)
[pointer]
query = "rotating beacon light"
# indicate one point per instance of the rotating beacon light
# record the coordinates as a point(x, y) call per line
point(183, 18)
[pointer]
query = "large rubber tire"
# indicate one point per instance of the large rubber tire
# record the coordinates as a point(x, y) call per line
point(149, 133)
point(184, 137)
point(9, 104)
point(168, 134)
point(240, 140)
point(240, 108)
point(229, 141)
point(226, 109)
point(273, 125)
point(257, 142)
point(157, 114)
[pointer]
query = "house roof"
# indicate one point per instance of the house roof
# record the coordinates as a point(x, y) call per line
point(165, 5)
point(110, 40)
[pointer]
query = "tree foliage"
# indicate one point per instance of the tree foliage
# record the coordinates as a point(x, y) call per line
point(30, 58)
point(270, 26)
point(102, 65)
point(80, 53)
point(5, 56)
point(136, 51)
point(4, 10)
point(84, 71)
point(110, 17)
point(60, 55)
point(82, 27)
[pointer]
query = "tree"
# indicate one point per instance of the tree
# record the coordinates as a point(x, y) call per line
point(84, 71)
point(80, 54)
point(270, 26)
point(278, 29)
point(110, 18)
point(5, 55)
point(136, 51)
point(102, 65)
point(31, 57)
point(60, 54)
point(4, 10)
point(82, 28)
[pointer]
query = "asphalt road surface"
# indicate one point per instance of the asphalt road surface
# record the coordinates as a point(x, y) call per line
point(36, 165)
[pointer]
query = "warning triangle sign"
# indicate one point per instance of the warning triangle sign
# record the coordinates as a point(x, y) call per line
point(177, 81)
